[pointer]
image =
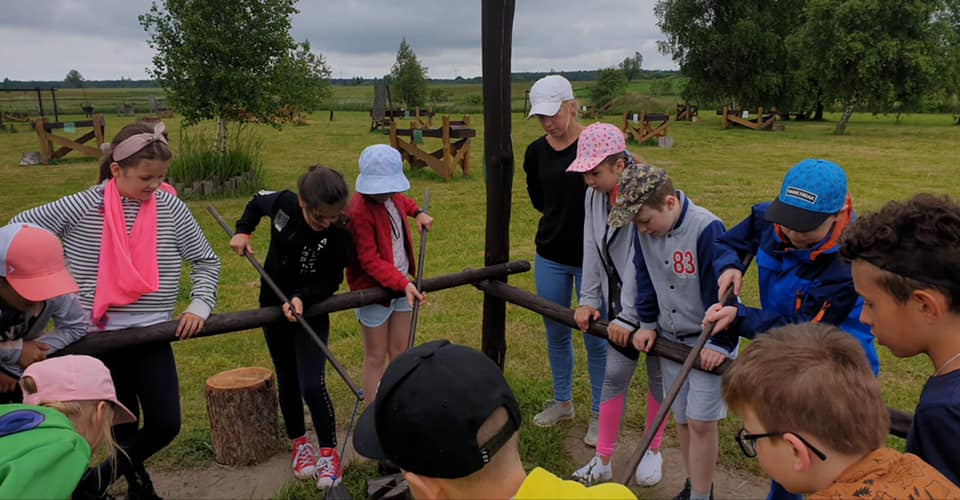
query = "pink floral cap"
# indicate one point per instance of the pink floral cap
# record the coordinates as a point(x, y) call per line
point(597, 142)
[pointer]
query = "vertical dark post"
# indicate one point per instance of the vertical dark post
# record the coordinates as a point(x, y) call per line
point(40, 101)
point(53, 94)
point(497, 41)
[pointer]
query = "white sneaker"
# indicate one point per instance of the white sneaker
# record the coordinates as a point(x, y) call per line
point(650, 469)
point(593, 473)
point(552, 413)
point(593, 430)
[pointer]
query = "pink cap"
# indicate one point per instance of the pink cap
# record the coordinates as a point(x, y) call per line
point(74, 378)
point(31, 259)
point(597, 142)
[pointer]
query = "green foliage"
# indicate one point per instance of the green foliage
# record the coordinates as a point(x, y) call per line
point(197, 160)
point(233, 60)
point(631, 66)
point(611, 84)
point(408, 78)
point(74, 79)
point(661, 87)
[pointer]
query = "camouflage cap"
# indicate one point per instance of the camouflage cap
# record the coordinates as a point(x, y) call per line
point(637, 183)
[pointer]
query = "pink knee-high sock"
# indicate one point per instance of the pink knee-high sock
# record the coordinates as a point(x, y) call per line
point(652, 408)
point(611, 412)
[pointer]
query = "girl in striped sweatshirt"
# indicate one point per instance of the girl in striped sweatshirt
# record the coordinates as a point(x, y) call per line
point(125, 240)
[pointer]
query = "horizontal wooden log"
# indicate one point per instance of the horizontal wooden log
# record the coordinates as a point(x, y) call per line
point(899, 421)
point(244, 320)
point(55, 125)
point(456, 132)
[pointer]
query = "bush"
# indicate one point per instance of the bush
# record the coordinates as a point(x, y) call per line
point(238, 171)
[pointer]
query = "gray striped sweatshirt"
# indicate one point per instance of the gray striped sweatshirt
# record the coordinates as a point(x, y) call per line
point(78, 220)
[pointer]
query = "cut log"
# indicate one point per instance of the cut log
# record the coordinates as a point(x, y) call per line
point(242, 406)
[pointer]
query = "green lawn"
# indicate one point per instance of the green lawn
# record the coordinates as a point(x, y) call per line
point(725, 171)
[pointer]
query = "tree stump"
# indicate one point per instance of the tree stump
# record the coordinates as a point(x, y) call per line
point(242, 406)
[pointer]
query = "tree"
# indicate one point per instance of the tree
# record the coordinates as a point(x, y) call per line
point(946, 26)
point(408, 77)
point(233, 60)
point(631, 66)
point(872, 53)
point(732, 51)
point(611, 83)
point(74, 79)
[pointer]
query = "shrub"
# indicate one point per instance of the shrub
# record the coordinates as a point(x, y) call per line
point(238, 171)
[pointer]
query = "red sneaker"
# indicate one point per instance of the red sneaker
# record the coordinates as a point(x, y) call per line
point(328, 468)
point(304, 458)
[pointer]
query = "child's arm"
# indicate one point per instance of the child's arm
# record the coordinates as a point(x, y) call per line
point(261, 204)
point(534, 186)
point(732, 246)
point(627, 320)
point(726, 341)
point(69, 326)
point(410, 208)
point(204, 269)
point(646, 304)
point(591, 293)
point(60, 215)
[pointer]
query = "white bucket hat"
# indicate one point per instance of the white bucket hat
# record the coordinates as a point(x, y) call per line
point(381, 171)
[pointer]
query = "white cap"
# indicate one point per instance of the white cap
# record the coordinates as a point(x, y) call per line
point(547, 94)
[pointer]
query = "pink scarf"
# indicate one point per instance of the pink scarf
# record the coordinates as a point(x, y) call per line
point(128, 262)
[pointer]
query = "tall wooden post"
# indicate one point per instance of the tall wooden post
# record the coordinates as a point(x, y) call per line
point(497, 42)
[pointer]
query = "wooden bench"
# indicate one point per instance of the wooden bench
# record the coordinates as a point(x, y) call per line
point(763, 121)
point(454, 150)
point(687, 112)
point(45, 128)
point(643, 127)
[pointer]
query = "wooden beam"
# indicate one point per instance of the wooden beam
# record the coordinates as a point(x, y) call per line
point(244, 320)
point(497, 42)
point(900, 421)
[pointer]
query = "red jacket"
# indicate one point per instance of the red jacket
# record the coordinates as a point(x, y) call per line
point(369, 224)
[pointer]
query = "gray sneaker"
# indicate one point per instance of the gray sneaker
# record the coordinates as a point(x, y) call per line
point(552, 413)
point(593, 429)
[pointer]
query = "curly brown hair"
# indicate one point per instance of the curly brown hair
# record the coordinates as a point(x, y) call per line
point(915, 242)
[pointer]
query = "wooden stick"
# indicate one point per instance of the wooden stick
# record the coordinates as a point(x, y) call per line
point(282, 296)
point(415, 316)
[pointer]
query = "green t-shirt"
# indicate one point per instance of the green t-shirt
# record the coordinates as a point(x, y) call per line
point(41, 454)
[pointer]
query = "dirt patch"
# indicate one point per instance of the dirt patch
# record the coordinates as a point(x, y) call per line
point(727, 483)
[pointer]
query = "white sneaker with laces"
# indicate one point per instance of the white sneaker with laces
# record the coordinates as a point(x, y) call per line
point(594, 472)
point(650, 469)
point(304, 458)
point(593, 430)
point(553, 412)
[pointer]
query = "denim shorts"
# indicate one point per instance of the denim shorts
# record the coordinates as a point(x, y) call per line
point(699, 398)
point(374, 315)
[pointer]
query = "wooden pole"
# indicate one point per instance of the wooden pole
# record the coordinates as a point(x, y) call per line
point(899, 424)
point(415, 315)
point(497, 42)
point(245, 320)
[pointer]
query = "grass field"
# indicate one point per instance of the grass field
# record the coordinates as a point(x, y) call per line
point(725, 171)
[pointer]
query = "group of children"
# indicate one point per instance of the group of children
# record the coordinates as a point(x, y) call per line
point(656, 265)
point(123, 244)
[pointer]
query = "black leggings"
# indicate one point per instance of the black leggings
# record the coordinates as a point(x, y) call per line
point(300, 366)
point(145, 377)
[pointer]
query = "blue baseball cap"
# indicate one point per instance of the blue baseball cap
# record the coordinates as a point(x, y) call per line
point(812, 191)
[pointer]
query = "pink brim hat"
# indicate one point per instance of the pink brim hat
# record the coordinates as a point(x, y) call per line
point(596, 143)
point(74, 378)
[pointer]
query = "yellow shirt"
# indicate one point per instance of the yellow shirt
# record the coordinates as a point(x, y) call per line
point(541, 484)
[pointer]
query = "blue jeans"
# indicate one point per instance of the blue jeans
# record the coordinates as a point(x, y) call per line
point(555, 283)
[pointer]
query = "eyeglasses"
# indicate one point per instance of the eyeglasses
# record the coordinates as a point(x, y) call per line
point(748, 442)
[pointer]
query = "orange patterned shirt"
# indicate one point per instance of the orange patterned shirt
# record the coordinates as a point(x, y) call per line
point(887, 473)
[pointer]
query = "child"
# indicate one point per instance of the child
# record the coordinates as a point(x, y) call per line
point(555, 193)
point(35, 286)
point(45, 444)
point(309, 248)
point(821, 430)
point(673, 256)
point(140, 234)
point(795, 239)
point(906, 265)
point(609, 281)
point(384, 257)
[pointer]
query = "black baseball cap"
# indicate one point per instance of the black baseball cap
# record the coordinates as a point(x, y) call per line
point(430, 404)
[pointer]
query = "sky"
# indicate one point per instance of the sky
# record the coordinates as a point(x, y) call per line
point(102, 39)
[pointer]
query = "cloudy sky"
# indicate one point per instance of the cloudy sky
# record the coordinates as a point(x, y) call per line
point(44, 39)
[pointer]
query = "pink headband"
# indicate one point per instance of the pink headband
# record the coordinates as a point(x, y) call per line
point(129, 146)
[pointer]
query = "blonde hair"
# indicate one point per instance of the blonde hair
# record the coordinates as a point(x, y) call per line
point(81, 415)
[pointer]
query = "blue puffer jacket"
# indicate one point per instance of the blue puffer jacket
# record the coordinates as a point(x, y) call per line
point(813, 284)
